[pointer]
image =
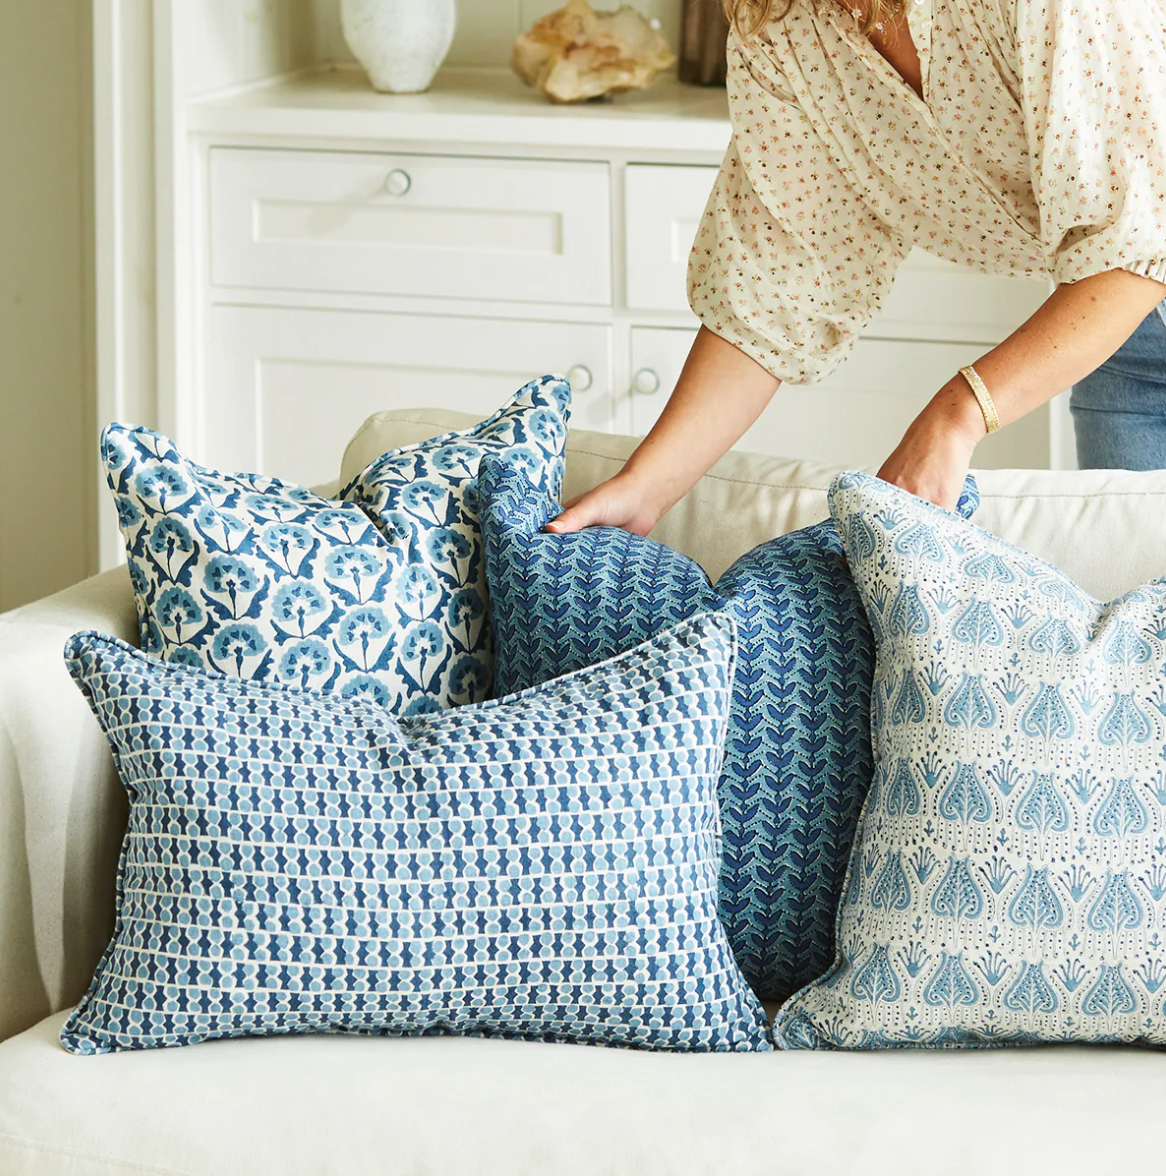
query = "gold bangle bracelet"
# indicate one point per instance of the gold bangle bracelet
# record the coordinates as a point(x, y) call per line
point(983, 398)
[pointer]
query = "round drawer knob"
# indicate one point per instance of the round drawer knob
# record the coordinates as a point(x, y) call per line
point(580, 378)
point(398, 182)
point(646, 382)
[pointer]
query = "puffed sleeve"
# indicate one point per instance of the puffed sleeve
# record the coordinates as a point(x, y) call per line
point(789, 263)
point(1093, 77)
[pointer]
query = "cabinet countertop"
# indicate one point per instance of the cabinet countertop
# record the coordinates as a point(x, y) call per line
point(469, 105)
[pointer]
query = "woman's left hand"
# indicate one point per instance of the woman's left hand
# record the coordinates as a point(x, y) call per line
point(932, 459)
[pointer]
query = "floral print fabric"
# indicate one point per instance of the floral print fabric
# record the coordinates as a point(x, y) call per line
point(379, 595)
point(1036, 151)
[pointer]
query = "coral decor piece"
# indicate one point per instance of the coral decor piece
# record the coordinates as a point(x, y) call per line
point(577, 53)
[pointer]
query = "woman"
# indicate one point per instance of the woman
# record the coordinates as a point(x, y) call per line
point(1023, 137)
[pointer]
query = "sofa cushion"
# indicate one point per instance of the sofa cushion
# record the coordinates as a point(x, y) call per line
point(797, 751)
point(1009, 867)
point(285, 1106)
point(257, 578)
point(1081, 520)
point(542, 867)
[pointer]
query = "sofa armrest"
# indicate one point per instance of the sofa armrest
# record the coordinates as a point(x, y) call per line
point(62, 809)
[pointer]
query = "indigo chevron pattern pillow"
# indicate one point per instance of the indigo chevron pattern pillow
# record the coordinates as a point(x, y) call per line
point(797, 754)
point(260, 579)
point(541, 867)
point(1008, 880)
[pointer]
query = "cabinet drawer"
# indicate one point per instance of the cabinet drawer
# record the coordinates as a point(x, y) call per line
point(438, 226)
point(931, 299)
point(663, 210)
point(856, 417)
point(287, 389)
point(937, 299)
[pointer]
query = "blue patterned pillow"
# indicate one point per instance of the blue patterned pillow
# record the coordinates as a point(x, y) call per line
point(797, 753)
point(541, 867)
point(1008, 878)
point(260, 579)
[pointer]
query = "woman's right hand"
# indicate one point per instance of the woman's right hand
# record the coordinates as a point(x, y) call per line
point(621, 501)
point(720, 393)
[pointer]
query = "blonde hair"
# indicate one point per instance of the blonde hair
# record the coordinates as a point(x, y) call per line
point(749, 16)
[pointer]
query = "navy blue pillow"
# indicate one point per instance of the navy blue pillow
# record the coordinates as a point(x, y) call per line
point(797, 752)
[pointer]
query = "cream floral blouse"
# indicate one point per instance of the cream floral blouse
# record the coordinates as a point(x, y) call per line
point(1039, 150)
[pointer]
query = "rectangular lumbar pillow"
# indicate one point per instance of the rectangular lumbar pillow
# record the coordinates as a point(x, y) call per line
point(797, 754)
point(1007, 879)
point(381, 594)
point(543, 866)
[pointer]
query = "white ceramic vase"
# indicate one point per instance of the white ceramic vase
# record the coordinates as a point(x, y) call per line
point(401, 43)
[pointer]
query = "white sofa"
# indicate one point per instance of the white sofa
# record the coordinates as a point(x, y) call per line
point(324, 1105)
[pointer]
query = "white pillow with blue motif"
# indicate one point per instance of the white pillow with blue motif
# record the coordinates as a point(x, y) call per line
point(1008, 880)
point(380, 594)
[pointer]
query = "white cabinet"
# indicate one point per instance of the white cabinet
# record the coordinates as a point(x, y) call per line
point(354, 252)
point(289, 387)
point(430, 225)
point(855, 417)
point(939, 300)
point(663, 207)
point(658, 355)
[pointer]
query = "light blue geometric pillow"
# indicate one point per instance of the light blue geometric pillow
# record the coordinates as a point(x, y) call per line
point(261, 579)
point(542, 867)
point(797, 753)
point(1007, 883)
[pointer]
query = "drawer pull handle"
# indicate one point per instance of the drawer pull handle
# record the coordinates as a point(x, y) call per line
point(580, 378)
point(398, 182)
point(646, 382)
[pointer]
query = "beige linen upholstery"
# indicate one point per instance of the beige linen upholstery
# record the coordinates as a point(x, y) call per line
point(746, 499)
point(1105, 528)
point(62, 810)
point(350, 1106)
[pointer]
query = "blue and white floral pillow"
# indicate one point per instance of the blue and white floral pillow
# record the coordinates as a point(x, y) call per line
point(1008, 880)
point(380, 594)
point(543, 866)
point(797, 750)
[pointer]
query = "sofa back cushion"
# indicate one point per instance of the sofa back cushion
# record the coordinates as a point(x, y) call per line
point(1104, 528)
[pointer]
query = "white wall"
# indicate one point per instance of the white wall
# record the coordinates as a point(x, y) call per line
point(232, 42)
point(47, 427)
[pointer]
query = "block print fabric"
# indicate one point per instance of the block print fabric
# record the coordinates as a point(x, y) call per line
point(380, 595)
point(543, 866)
point(1007, 883)
point(797, 755)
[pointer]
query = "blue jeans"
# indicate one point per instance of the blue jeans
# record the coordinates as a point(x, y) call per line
point(1119, 411)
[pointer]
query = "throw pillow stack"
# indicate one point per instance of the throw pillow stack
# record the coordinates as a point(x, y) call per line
point(888, 769)
point(332, 830)
point(1002, 880)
